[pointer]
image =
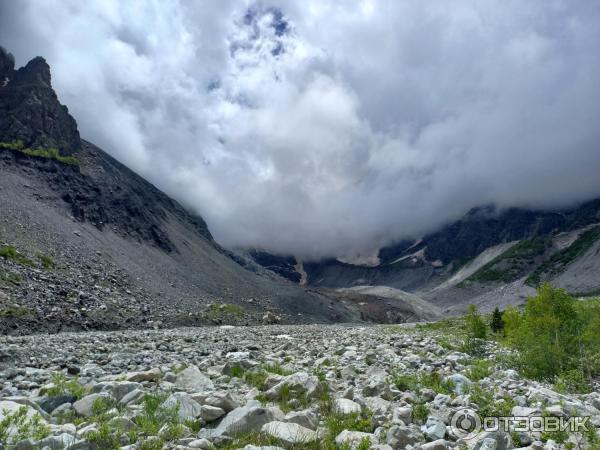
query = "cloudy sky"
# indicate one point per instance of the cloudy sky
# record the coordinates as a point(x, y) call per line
point(325, 128)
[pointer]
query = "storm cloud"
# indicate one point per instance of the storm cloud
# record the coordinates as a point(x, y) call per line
point(331, 128)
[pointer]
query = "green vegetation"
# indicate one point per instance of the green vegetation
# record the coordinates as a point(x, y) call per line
point(62, 386)
point(225, 311)
point(479, 369)
point(154, 415)
point(511, 264)
point(420, 412)
point(497, 323)
point(7, 277)
point(556, 339)
point(561, 259)
point(46, 261)
point(488, 406)
point(17, 426)
point(422, 380)
point(46, 153)
point(11, 253)
point(14, 311)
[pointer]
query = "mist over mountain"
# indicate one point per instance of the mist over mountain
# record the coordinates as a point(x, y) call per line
point(316, 130)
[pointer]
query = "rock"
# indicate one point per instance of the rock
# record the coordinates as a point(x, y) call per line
point(306, 418)
point(203, 444)
point(520, 411)
point(223, 400)
point(434, 428)
point(59, 442)
point(49, 404)
point(488, 444)
point(131, 397)
point(84, 407)
point(117, 389)
point(460, 383)
point(290, 434)
point(211, 413)
point(403, 414)
point(345, 406)
point(148, 375)
point(187, 407)
point(246, 419)
point(354, 438)
point(439, 444)
point(122, 423)
point(192, 380)
point(299, 383)
point(501, 439)
point(399, 437)
point(270, 318)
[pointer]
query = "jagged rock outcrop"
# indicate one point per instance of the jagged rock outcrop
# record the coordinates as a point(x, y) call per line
point(30, 110)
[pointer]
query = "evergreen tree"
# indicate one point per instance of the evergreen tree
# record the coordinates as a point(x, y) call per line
point(497, 323)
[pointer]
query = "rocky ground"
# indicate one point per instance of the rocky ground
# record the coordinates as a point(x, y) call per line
point(271, 387)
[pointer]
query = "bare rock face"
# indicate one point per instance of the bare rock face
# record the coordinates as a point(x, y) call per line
point(30, 110)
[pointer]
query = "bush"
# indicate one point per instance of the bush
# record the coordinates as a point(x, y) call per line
point(16, 426)
point(556, 338)
point(497, 324)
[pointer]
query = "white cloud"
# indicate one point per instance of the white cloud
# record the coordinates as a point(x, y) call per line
point(320, 129)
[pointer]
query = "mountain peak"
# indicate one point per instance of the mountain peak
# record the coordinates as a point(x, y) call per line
point(35, 71)
point(7, 64)
point(30, 110)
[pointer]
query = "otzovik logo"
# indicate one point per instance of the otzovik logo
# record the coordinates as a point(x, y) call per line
point(467, 424)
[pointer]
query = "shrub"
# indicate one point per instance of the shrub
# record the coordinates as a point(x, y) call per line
point(154, 415)
point(62, 386)
point(17, 426)
point(497, 324)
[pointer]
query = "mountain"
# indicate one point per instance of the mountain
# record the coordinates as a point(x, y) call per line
point(85, 243)
point(489, 257)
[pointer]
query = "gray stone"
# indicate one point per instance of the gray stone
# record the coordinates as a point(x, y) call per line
point(245, 419)
point(306, 418)
point(398, 437)
point(289, 433)
point(345, 406)
point(434, 428)
point(188, 408)
point(192, 380)
point(84, 406)
point(299, 383)
point(354, 438)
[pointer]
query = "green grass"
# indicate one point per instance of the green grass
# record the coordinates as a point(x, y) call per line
point(154, 415)
point(422, 380)
point(46, 153)
point(479, 369)
point(8, 277)
point(9, 252)
point(420, 412)
point(557, 263)
point(46, 261)
point(224, 311)
point(277, 369)
point(256, 378)
point(511, 264)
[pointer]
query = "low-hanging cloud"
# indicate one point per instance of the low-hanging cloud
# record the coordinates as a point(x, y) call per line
point(323, 129)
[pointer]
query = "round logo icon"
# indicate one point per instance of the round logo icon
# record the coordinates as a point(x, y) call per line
point(465, 423)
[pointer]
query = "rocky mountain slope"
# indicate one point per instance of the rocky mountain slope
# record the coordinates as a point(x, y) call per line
point(276, 387)
point(489, 257)
point(86, 243)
